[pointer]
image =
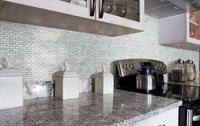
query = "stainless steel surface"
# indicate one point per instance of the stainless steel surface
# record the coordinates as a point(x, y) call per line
point(146, 82)
point(130, 66)
point(166, 8)
point(35, 16)
point(196, 118)
point(189, 117)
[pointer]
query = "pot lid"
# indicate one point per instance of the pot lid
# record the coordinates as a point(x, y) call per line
point(8, 72)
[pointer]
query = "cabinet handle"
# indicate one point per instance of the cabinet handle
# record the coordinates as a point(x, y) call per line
point(92, 7)
point(101, 8)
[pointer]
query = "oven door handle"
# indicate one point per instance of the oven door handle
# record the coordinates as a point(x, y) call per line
point(189, 117)
point(196, 118)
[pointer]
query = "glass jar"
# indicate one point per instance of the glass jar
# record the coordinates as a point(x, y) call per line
point(191, 70)
point(179, 73)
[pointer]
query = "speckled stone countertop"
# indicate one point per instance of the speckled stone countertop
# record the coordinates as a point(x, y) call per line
point(122, 108)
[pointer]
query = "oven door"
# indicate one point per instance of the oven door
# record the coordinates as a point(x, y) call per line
point(196, 118)
point(189, 117)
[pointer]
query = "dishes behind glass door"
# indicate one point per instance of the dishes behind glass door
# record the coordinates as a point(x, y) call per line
point(123, 8)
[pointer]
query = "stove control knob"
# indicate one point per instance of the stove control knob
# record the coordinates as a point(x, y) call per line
point(157, 65)
point(131, 66)
point(160, 65)
point(125, 66)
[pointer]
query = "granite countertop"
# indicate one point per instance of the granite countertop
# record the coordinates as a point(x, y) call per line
point(122, 108)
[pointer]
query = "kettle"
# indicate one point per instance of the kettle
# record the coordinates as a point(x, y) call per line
point(146, 79)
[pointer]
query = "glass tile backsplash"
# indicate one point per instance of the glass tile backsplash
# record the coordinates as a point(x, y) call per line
point(39, 51)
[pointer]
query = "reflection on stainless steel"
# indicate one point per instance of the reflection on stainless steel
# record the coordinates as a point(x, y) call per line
point(184, 92)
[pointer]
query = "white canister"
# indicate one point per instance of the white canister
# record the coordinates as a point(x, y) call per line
point(104, 82)
point(67, 84)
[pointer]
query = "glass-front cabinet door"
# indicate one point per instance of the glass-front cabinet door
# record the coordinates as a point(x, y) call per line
point(128, 13)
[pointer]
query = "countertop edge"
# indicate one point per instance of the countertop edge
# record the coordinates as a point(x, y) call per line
point(150, 114)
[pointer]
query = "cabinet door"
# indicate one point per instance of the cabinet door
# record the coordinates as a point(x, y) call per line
point(71, 7)
point(169, 118)
point(127, 13)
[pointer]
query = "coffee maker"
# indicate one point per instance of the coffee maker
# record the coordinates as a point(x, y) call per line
point(140, 75)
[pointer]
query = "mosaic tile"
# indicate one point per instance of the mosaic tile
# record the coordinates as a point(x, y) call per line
point(39, 51)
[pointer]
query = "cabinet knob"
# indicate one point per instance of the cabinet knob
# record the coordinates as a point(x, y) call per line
point(161, 125)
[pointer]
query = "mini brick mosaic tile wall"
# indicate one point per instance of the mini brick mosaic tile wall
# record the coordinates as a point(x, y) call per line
point(39, 51)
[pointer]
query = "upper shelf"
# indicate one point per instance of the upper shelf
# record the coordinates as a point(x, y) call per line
point(175, 31)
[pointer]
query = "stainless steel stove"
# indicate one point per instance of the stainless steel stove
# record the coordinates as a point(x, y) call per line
point(126, 72)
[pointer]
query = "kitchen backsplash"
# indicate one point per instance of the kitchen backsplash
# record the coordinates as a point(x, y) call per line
point(39, 51)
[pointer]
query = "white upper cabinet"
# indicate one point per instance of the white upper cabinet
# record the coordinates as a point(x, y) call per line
point(72, 7)
point(127, 13)
point(168, 118)
point(90, 16)
point(180, 31)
